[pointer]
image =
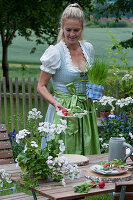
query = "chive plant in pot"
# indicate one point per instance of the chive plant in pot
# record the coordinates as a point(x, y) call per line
point(97, 76)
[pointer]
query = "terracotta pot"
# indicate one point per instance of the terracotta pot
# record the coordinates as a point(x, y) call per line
point(104, 114)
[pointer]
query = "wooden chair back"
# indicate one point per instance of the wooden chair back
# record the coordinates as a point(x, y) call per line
point(6, 154)
point(123, 190)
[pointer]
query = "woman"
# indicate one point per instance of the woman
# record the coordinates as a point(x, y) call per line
point(66, 63)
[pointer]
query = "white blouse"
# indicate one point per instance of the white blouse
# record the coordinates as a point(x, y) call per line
point(51, 60)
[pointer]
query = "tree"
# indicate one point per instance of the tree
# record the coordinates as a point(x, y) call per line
point(22, 17)
point(116, 8)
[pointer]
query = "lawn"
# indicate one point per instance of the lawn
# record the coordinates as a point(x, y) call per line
point(19, 51)
point(101, 40)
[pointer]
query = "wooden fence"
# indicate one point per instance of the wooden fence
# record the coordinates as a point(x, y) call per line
point(22, 97)
point(15, 103)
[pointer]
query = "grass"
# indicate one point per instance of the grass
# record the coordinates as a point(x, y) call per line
point(23, 71)
point(23, 64)
point(101, 41)
point(19, 51)
point(108, 196)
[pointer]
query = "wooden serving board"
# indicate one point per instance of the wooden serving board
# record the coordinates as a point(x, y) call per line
point(77, 159)
point(108, 178)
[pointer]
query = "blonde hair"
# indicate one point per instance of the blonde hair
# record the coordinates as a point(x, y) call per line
point(71, 11)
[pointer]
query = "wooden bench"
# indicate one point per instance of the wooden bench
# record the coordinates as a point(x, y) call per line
point(123, 191)
point(6, 157)
point(21, 196)
point(6, 154)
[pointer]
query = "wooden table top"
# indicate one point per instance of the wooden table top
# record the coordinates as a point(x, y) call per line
point(61, 193)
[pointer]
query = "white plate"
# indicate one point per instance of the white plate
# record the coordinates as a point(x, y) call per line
point(98, 169)
point(73, 116)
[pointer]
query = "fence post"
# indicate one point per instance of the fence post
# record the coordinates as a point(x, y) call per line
point(30, 93)
point(35, 93)
point(11, 103)
point(117, 96)
point(0, 104)
point(123, 84)
point(24, 102)
point(5, 102)
point(17, 103)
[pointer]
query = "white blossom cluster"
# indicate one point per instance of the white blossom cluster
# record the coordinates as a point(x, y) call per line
point(107, 100)
point(4, 176)
point(67, 170)
point(21, 135)
point(34, 114)
point(105, 145)
point(49, 128)
point(33, 144)
point(127, 77)
point(131, 135)
point(124, 102)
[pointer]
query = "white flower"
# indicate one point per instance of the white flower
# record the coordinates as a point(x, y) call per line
point(130, 134)
point(25, 148)
point(101, 139)
point(44, 127)
point(52, 128)
point(59, 128)
point(63, 182)
point(34, 114)
point(49, 161)
point(51, 136)
point(124, 102)
point(106, 100)
point(1, 183)
point(34, 144)
point(62, 146)
point(4, 176)
point(127, 77)
point(105, 145)
point(16, 160)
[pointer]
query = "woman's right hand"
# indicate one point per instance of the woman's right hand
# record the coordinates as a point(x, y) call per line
point(58, 106)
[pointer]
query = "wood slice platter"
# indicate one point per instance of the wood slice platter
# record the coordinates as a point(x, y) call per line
point(108, 178)
point(77, 159)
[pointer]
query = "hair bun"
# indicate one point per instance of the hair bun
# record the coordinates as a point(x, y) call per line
point(76, 5)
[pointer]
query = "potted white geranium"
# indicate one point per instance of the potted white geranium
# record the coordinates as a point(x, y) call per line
point(47, 163)
point(105, 105)
point(125, 104)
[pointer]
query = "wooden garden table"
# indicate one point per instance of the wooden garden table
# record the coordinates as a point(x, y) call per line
point(53, 191)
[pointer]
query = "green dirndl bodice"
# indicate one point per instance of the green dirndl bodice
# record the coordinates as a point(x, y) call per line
point(82, 133)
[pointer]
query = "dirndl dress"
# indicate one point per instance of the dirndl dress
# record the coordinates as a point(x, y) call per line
point(69, 87)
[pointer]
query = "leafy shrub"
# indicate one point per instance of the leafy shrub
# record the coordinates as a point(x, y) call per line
point(121, 126)
point(16, 148)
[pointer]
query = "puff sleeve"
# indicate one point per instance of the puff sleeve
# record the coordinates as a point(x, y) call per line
point(90, 47)
point(50, 60)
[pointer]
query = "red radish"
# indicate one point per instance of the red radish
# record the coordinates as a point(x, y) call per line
point(101, 184)
point(64, 110)
point(65, 113)
point(106, 165)
point(94, 184)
